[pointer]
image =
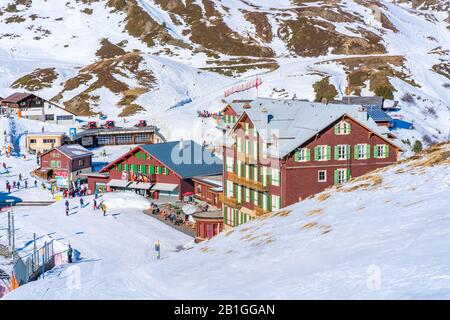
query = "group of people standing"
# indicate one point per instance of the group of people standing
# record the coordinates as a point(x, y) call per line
point(96, 206)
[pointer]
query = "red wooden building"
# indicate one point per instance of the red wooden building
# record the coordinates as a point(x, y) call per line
point(209, 189)
point(63, 162)
point(280, 152)
point(157, 169)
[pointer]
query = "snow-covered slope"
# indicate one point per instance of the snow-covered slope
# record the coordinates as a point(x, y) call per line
point(140, 57)
point(381, 236)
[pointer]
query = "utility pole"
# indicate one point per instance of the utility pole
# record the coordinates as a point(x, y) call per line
point(11, 229)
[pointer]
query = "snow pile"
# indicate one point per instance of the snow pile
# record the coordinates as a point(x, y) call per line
point(128, 200)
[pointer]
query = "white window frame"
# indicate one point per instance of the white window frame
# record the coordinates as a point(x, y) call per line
point(276, 177)
point(343, 179)
point(276, 202)
point(255, 197)
point(342, 128)
point(247, 195)
point(381, 155)
point(230, 189)
point(325, 176)
point(322, 153)
point(230, 164)
point(341, 147)
point(362, 147)
point(302, 154)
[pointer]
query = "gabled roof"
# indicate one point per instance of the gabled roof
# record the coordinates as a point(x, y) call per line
point(17, 97)
point(73, 151)
point(186, 158)
point(295, 122)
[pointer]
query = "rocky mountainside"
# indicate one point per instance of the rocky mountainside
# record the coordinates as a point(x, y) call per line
point(99, 56)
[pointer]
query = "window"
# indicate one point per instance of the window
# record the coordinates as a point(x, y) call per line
point(55, 164)
point(275, 177)
point(362, 151)
point(322, 153)
point(32, 140)
point(49, 140)
point(342, 127)
point(239, 144)
point(230, 164)
point(247, 147)
point(255, 197)
point(56, 155)
point(264, 176)
point(239, 194)
point(64, 117)
point(265, 200)
point(230, 189)
point(276, 202)
point(105, 140)
point(322, 176)
point(124, 139)
point(255, 150)
point(247, 195)
point(341, 176)
point(81, 163)
point(143, 168)
point(246, 128)
point(381, 151)
point(199, 188)
point(143, 137)
point(247, 171)
point(255, 173)
point(239, 168)
point(342, 152)
point(49, 117)
point(302, 154)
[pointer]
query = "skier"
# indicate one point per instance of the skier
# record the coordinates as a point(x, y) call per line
point(9, 188)
point(69, 254)
point(18, 184)
point(67, 204)
point(20, 177)
point(104, 209)
point(95, 204)
point(96, 193)
point(26, 184)
point(35, 183)
point(81, 203)
point(14, 184)
point(67, 211)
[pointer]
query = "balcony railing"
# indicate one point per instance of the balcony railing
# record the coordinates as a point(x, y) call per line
point(230, 201)
point(255, 185)
point(260, 211)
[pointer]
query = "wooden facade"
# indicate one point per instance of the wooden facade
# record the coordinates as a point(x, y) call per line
point(207, 225)
point(209, 190)
point(255, 183)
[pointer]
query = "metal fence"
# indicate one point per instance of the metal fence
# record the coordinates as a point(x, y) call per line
point(30, 267)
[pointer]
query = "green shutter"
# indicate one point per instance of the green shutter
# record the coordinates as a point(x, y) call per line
point(143, 168)
point(224, 214)
point(127, 167)
point(151, 169)
point(328, 153)
point(134, 167)
point(336, 177)
point(336, 129)
point(356, 151)
point(387, 151)
point(336, 152)
point(348, 174)
point(349, 128)
point(297, 155)
point(368, 151)
point(308, 154)
point(316, 153)
point(138, 155)
point(375, 151)
point(119, 166)
point(270, 203)
point(166, 171)
point(348, 150)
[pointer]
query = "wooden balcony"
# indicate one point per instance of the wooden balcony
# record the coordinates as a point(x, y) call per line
point(230, 202)
point(246, 158)
point(260, 211)
point(255, 185)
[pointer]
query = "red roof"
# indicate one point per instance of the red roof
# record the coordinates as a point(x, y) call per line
point(17, 97)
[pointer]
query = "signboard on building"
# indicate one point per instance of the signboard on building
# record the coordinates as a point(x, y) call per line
point(73, 132)
point(87, 141)
point(62, 182)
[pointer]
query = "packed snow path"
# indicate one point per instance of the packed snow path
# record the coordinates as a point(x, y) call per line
point(15, 136)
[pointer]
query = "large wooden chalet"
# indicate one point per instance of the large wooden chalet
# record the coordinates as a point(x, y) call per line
point(30, 106)
point(157, 169)
point(281, 151)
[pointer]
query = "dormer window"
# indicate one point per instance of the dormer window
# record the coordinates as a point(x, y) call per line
point(343, 127)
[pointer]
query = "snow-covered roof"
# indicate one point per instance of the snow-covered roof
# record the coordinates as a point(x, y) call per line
point(74, 150)
point(294, 121)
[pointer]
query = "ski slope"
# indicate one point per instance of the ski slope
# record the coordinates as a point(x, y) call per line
point(381, 236)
